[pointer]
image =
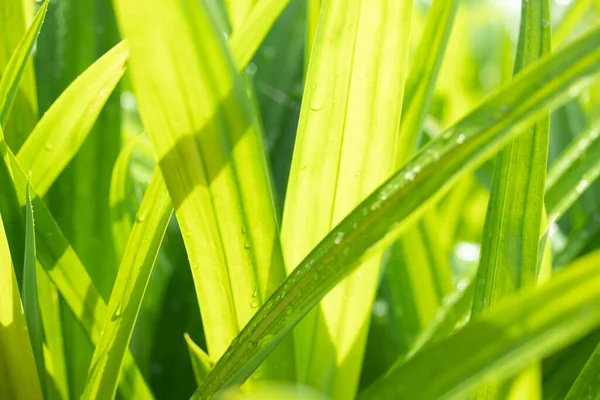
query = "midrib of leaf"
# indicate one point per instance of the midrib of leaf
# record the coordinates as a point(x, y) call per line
point(354, 93)
point(512, 230)
point(201, 126)
point(379, 218)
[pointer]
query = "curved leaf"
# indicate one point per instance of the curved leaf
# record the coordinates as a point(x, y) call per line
point(398, 201)
point(525, 327)
point(12, 73)
point(63, 128)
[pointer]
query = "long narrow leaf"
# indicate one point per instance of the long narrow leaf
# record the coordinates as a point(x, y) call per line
point(31, 305)
point(398, 201)
point(346, 145)
point(18, 374)
point(61, 263)
point(525, 327)
point(130, 285)
point(210, 153)
point(11, 76)
point(63, 128)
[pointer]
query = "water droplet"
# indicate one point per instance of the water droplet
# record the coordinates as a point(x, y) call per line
point(460, 139)
point(339, 237)
point(316, 104)
point(246, 245)
point(289, 310)
point(357, 174)
point(581, 186)
point(254, 304)
point(251, 345)
point(49, 146)
point(118, 312)
point(545, 23)
point(140, 217)
point(409, 175)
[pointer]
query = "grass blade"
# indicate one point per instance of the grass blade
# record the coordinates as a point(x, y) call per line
point(245, 41)
point(419, 279)
point(31, 306)
point(512, 230)
point(61, 263)
point(121, 204)
point(128, 291)
point(11, 76)
point(64, 127)
point(18, 376)
point(210, 153)
point(200, 361)
point(404, 196)
point(24, 114)
point(587, 384)
point(574, 170)
point(355, 82)
point(525, 327)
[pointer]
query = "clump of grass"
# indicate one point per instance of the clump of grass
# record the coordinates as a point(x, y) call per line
point(286, 199)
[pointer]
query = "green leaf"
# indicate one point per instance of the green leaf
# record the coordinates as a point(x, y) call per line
point(525, 327)
point(24, 113)
point(587, 384)
point(245, 40)
point(18, 375)
point(511, 248)
point(64, 127)
point(354, 92)
point(11, 76)
point(54, 358)
point(31, 306)
point(122, 216)
point(200, 361)
point(379, 218)
point(61, 263)
point(572, 18)
point(127, 294)
point(417, 271)
point(577, 167)
point(211, 155)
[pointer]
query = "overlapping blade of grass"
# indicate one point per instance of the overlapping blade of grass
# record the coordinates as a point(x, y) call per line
point(211, 157)
point(54, 354)
point(18, 374)
point(417, 272)
point(77, 34)
point(122, 209)
point(31, 307)
point(379, 218)
point(239, 10)
point(126, 297)
point(22, 119)
point(345, 146)
point(571, 20)
point(587, 384)
point(65, 126)
point(245, 40)
point(562, 368)
point(577, 167)
point(512, 230)
point(14, 69)
point(525, 327)
point(60, 262)
point(200, 361)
